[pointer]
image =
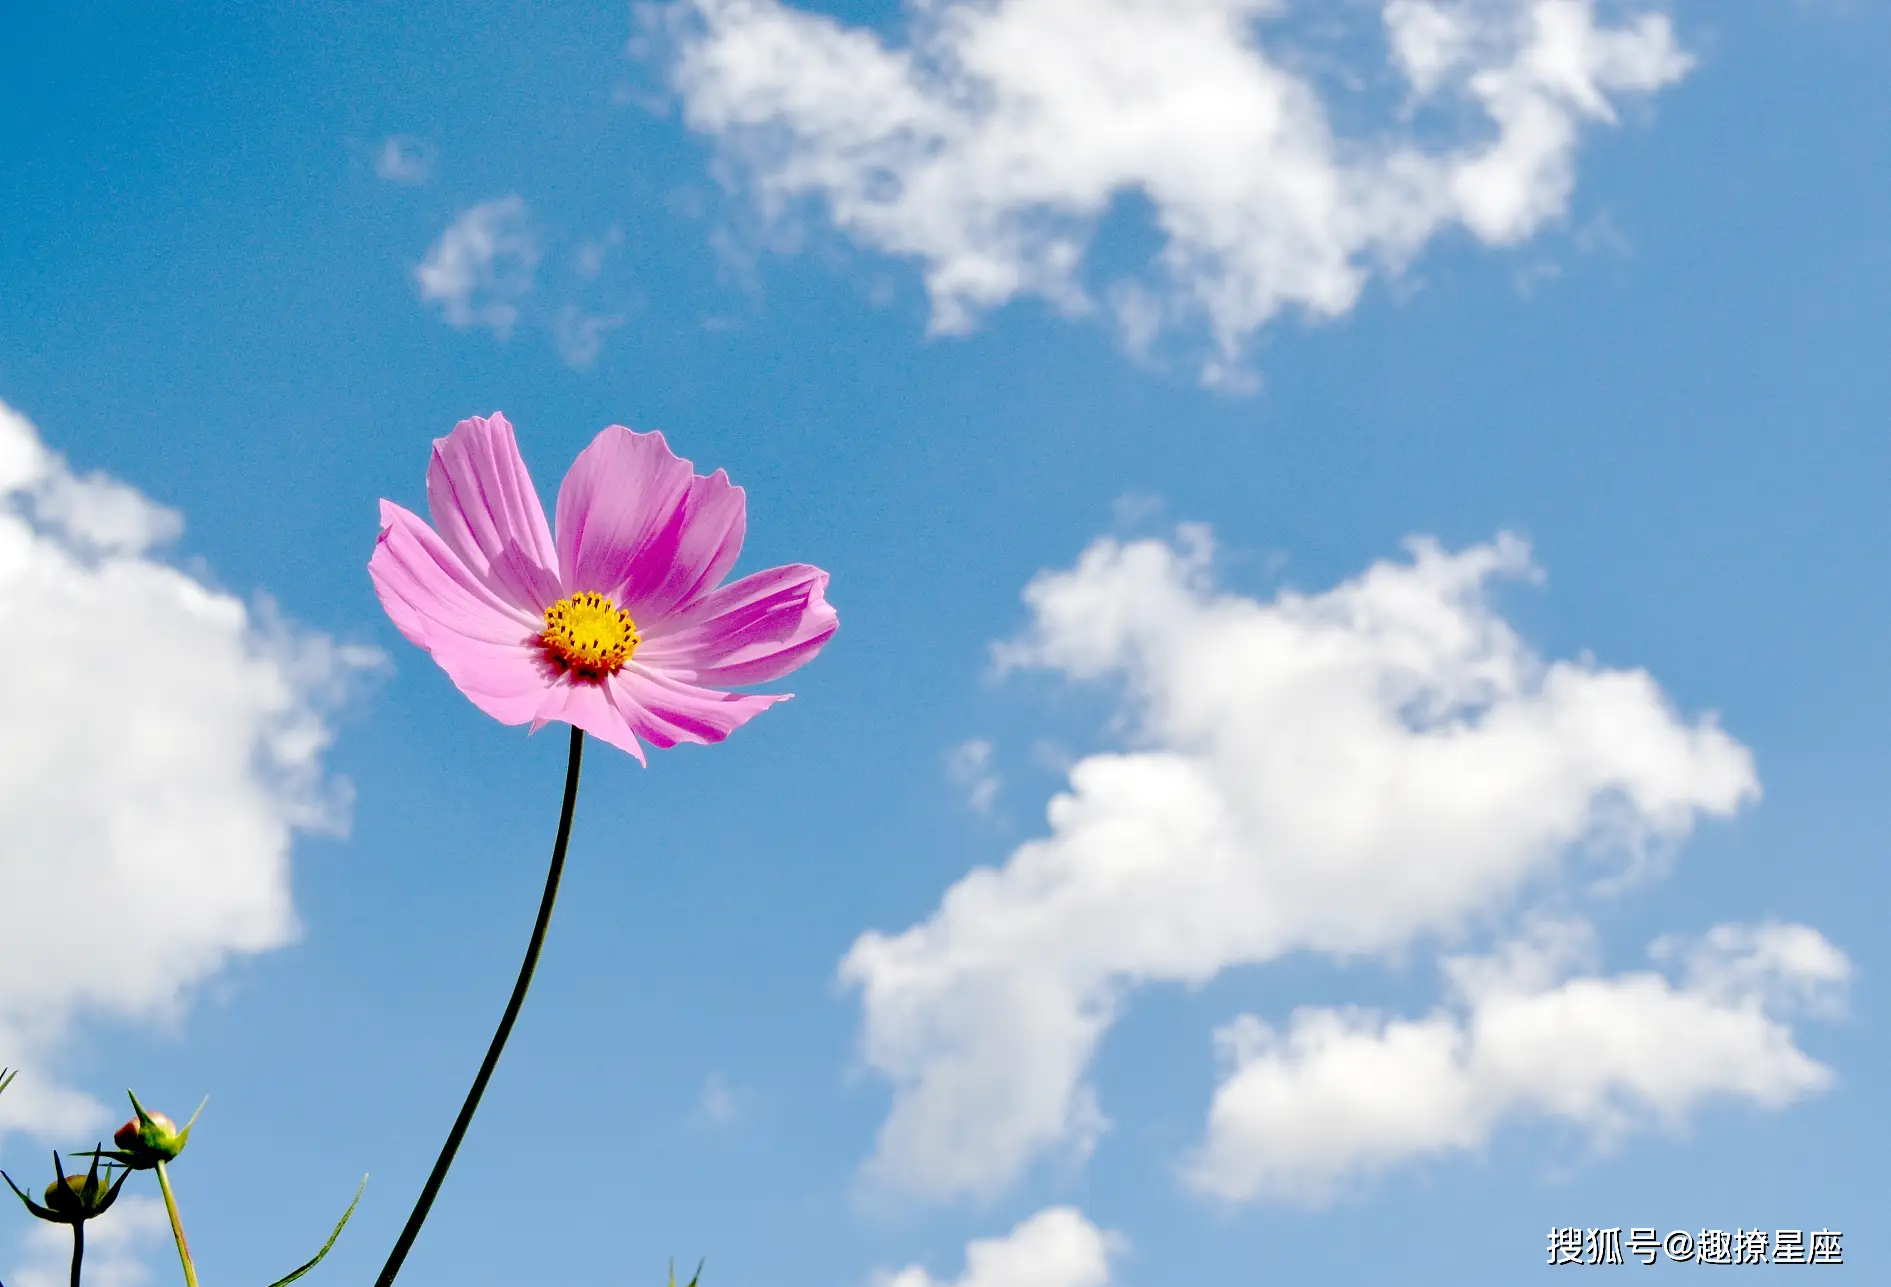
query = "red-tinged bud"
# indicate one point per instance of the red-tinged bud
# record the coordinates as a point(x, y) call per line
point(150, 1138)
point(131, 1136)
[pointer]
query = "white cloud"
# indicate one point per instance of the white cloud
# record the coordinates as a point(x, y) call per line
point(1785, 967)
point(969, 765)
point(1343, 1094)
point(580, 335)
point(1057, 1247)
point(404, 159)
point(482, 266)
point(593, 253)
point(1342, 772)
point(720, 1104)
point(162, 745)
point(116, 1245)
point(991, 144)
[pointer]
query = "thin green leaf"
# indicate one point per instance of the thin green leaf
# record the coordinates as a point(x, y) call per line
point(280, 1282)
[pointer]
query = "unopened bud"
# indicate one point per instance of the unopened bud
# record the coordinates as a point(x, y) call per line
point(150, 1138)
point(79, 1197)
point(74, 1199)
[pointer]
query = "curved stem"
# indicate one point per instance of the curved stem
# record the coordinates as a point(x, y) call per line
point(452, 1145)
point(177, 1228)
point(78, 1249)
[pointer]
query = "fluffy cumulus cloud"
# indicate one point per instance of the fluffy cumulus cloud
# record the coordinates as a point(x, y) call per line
point(1344, 772)
point(162, 746)
point(1344, 1093)
point(482, 266)
point(1280, 169)
point(1057, 1247)
point(117, 1246)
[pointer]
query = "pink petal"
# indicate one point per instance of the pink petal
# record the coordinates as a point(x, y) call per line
point(508, 683)
point(615, 512)
point(393, 581)
point(635, 524)
point(431, 589)
point(749, 632)
point(486, 645)
point(693, 553)
point(664, 710)
point(584, 703)
point(487, 511)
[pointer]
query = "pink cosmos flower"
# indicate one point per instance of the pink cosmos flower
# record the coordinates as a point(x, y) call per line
point(616, 625)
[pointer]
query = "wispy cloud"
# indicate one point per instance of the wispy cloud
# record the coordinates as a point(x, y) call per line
point(593, 252)
point(152, 775)
point(990, 145)
point(969, 764)
point(403, 158)
point(482, 266)
point(719, 1104)
point(580, 335)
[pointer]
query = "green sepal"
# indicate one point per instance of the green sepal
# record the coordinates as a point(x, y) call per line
point(156, 1144)
point(183, 1136)
point(94, 1199)
point(31, 1205)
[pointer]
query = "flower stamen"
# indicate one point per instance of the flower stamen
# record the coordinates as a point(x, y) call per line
point(588, 635)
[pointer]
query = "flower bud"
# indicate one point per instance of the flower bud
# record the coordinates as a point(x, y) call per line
point(156, 1134)
point(150, 1138)
point(74, 1199)
point(79, 1197)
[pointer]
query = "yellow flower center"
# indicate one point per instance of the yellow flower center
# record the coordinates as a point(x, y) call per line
point(588, 634)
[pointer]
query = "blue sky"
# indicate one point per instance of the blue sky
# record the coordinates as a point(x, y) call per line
point(1108, 361)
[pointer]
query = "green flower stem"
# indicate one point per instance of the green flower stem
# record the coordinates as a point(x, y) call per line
point(177, 1231)
point(78, 1249)
point(465, 1119)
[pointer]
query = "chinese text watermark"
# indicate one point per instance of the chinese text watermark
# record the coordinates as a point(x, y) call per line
point(1581, 1246)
